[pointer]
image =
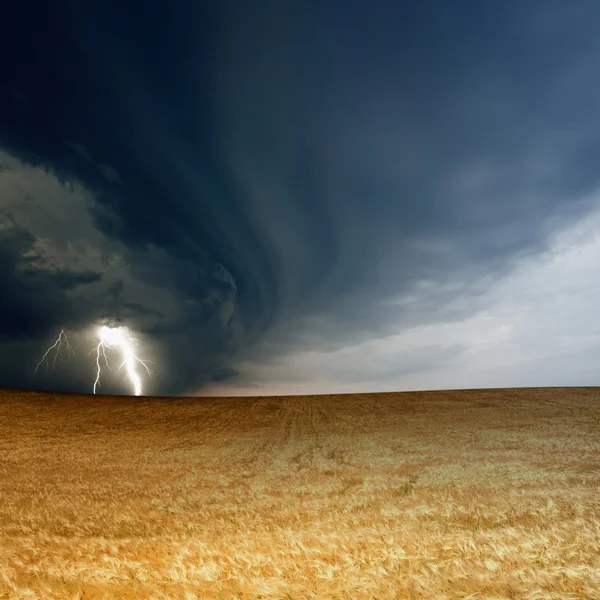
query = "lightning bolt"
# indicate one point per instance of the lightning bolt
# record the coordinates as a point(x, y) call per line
point(110, 338)
point(119, 337)
point(62, 336)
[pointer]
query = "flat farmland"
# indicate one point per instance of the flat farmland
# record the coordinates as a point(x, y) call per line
point(482, 494)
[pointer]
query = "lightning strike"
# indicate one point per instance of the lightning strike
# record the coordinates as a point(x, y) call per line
point(118, 337)
point(62, 337)
point(110, 338)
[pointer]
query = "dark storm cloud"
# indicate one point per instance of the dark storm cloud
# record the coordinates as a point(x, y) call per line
point(273, 176)
point(32, 298)
point(433, 142)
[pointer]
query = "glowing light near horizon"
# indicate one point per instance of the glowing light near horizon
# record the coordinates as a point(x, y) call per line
point(110, 338)
point(119, 337)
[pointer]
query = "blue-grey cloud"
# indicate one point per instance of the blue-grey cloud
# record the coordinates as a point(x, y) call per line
point(272, 177)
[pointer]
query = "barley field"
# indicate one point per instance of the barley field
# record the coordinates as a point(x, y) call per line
point(479, 494)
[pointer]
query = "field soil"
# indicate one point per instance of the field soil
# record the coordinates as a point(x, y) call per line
point(485, 494)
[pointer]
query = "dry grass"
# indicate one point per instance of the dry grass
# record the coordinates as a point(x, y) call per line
point(464, 494)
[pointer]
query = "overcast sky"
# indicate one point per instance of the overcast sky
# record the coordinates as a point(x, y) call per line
point(302, 197)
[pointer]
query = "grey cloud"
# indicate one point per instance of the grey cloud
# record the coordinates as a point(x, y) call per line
point(318, 178)
point(110, 173)
point(32, 295)
point(41, 291)
point(67, 280)
point(423, 185)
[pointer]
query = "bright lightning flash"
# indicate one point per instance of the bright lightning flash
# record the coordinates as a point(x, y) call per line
point(110, 338)
point(62, 337)
point(119, 337)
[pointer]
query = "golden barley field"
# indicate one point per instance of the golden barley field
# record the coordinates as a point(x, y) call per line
point(484, 494)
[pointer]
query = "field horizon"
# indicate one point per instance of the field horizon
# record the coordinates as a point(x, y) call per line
point(483, 493)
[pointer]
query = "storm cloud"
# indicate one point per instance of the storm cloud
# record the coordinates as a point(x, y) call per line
point(266, 192)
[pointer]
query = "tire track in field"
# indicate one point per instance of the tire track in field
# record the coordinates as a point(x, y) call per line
point(213, 425)
point(230, 420)
point(268, 453)
point(382, 411)
point(250, 433)
point(300, 446)
point(290, 440)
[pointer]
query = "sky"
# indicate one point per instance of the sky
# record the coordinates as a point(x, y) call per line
point(298, 197)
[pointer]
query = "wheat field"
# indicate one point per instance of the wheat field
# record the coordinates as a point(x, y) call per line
point(484, 494)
